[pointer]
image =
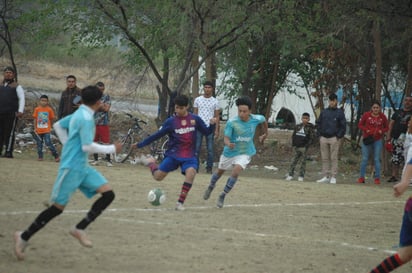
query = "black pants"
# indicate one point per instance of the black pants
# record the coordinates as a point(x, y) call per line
point(8, 122)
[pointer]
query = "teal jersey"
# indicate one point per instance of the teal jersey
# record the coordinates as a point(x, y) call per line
point(81, 129)
point(241, 133)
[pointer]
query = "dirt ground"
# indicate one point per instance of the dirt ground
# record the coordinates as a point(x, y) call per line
point(266, 225)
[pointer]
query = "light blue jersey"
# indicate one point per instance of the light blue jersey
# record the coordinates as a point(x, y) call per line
point(241, 133)
point(81, 128)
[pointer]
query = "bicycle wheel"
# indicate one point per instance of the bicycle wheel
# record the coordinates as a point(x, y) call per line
point(127, 148)
point(161, 149)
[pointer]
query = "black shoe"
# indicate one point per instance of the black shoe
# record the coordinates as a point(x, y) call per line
point(209, 170)
point(392, 179)
point(9, 155)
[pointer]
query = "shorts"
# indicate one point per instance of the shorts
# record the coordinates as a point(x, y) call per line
point(169, 164)
point(398, 157)
point(87, 180)
point(227, 163)
point(405, 237)
point(102, 134)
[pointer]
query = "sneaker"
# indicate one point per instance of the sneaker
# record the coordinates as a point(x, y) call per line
point(81, 236)
point(207, 193)
point(333, 180)
point(288, 178)
point(392, 179)
point(57, 159)
point(109, 163)
point(324, 179)
point(377, 181)
point(179, 207)
point(300, 178)
point(361, 180)
point(19, 245)
point(40, 159)
point(94, 162)
point(221, 200)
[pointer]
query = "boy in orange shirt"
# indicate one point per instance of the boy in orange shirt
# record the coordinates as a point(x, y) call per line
point(43, 116)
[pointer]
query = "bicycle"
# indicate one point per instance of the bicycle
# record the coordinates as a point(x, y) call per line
point(157, 148)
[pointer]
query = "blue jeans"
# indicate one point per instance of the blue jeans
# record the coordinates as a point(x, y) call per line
point(47, 141)
point(376, 149)
point(209, 146)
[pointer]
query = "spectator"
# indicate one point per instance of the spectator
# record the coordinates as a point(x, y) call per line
point(302, 137)
point(43, 116)
point(11, 109)
point(70, 98)
point(101, 118)
point(207, 107)
point(331, 126)
point(397, 129)
point(374, 125)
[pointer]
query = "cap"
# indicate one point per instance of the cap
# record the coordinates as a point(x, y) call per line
point(9, 69)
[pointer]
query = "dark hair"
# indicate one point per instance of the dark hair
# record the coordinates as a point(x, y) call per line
point(306, 114)
point(245, 100)
point(182, 100)
point(9, 68)
point(100, 84)
point(44, 97)
point(376, 102)
point(333, 96)
point(209, 83)
point(91, 94)
point(71, 76)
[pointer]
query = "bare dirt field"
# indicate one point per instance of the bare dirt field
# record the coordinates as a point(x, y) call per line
point(266, 225)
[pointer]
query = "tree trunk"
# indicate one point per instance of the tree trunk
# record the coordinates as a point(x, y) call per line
point(376, 33)
point(409, 81)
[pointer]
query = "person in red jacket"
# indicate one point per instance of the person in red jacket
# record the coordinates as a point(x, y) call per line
point(374, 124)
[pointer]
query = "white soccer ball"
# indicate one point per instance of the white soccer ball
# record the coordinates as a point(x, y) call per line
point(156, 197)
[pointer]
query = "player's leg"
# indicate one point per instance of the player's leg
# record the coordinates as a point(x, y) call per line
point(189, 170)
point(225, 163)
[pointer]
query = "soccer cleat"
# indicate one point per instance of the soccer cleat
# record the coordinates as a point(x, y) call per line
point(94, 162)
point(221, 200)
point(81, 236)
point(361, 180)
point(179, 206)
point(300, 178)
point(288, 178)
point(333, 180)
point(207, 193)
point(109, 163)
point(324, 179)
point(19, 245)
point(377, 181)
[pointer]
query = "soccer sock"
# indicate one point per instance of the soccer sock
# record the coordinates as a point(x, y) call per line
point(231, 181)
point(108, 157)
point(213, 180)
point(389, 264)
point(97, 208)
point(96, 157)
point(44, 217)
point(185, 190)
point(153, 167)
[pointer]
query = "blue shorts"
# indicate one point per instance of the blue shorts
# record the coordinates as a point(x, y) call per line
point(405, 237)
point(170, 164)
point(87, 180)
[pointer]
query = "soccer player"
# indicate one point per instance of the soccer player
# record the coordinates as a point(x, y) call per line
point(76, 132)
point(239, 147)
point(404, 254)
point(181, 129)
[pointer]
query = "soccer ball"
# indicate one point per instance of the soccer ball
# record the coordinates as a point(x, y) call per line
point(156, 197)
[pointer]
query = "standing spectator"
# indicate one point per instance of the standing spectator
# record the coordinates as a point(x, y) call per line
point(70, 98)
point(374, 125)
point(101, 118)
point(76, 132)
point(239, 147)
point(181, 129)
point(207, 107)
point(43, 116)
point(397, 129)
point(331, 129)
point(302, 138)
point(11, 109)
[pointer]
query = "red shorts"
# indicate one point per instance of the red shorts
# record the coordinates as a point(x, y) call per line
point(102, 134)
